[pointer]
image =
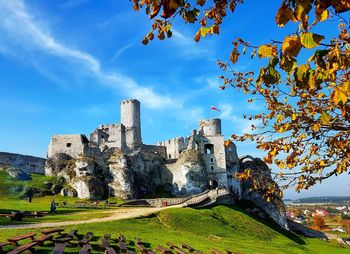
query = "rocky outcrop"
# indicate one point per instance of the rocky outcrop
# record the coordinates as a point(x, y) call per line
point(83, 175)
point(261, 175)
point(122, 179)
point(189, 173)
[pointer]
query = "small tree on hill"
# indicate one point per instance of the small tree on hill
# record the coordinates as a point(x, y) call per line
point(305, 127)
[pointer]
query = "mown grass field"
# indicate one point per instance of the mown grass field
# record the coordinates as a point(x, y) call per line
point(223, 227)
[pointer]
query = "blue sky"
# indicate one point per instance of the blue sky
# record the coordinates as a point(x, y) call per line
point(65, 67)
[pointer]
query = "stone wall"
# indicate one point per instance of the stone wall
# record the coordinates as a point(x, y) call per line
point(174, 146)
point(208, 127)
point(26, 163)
point(73, 145)
point(112, 135)
point(151, 152)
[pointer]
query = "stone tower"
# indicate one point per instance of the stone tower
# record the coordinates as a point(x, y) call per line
point(130, 118)
point(210, 127)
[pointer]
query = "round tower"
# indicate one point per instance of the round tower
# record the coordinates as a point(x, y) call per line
point(130, 118)
point(210, 127)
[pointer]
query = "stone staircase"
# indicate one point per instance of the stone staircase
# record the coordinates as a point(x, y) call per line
point(203, 199)
point(206, 199)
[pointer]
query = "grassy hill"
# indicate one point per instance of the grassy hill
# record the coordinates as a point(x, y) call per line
point(223, 227)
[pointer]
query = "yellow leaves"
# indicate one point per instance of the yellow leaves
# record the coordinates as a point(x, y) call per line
point(322, 16)
point(302, 9)
point(294, 117)
point(280, 164)
point(280, 118)
point(284, 14)
point(325, 118)
point(310, 40)
point(204, 31)
point(322, 163)
point(339, 95)
point(267, 51)
point(291, 45)
point(301, 73)
point(302, 136)
point(316, 127)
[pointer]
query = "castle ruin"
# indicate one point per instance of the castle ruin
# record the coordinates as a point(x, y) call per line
point(184, 165)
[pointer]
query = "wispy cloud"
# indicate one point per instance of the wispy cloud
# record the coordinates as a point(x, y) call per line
point(119, 51)
point(241, 125)
point(69, 4)
point(190, 49)
point(29, 35)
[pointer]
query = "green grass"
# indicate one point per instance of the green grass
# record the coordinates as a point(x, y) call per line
point(222, 227)
point(10, 200)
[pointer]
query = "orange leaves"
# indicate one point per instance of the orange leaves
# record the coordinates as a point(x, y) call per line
point(291, 45)
point(234, 55)
point(267, 51)
point(284, 15)
point(169, 7)
point(201, 2)
point(341, 5)
point(227, 143)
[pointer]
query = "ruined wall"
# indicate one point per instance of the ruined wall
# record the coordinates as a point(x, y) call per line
point(130, 118)
point(112, 135)
point(174, 146)
point(73, 145)
point(213, 151)
point(151, 152)
point(26, 163)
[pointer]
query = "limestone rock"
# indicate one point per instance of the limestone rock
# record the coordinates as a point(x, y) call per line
point(88, 187)
point(260, 171)
point(122, 179)
point(189, 173)
point(60, 164)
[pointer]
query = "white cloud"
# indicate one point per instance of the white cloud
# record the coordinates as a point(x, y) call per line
point(29, 35)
